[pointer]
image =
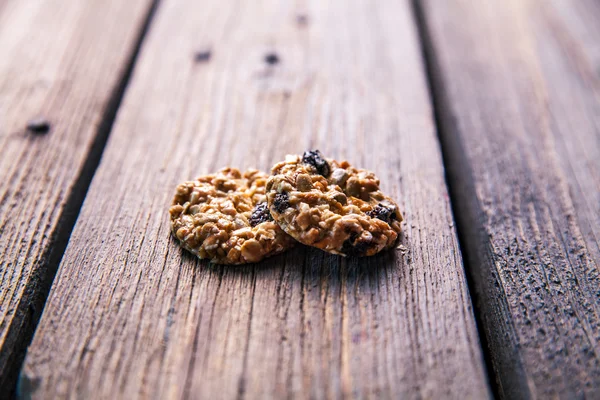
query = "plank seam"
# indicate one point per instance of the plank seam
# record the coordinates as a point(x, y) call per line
point(452, 166)
point(68, 217)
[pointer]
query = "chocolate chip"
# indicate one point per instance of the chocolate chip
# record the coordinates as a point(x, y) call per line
point(260, 214)
point(38, 125)
point(202, 56)
point(352, 247)
point(281, 202)
point(315, 159)
point(271, 58)
point(383, 212)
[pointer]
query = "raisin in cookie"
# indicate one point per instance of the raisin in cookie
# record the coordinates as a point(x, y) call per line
point(224, 217)
point(331, 205)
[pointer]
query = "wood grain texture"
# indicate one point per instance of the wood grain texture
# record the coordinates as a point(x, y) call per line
point(64, 62)
point(131, 315)
point(518, 93)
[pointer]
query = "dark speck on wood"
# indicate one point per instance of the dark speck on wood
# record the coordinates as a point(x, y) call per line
point(302, 20)
point(202, 56)
point(38, 125)
point(271, 58)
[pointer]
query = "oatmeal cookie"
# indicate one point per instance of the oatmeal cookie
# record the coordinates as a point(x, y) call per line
point(331, 205)
point(224, 217)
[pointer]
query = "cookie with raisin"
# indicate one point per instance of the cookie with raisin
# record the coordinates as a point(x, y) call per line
point(224, 218)
point(332, 205)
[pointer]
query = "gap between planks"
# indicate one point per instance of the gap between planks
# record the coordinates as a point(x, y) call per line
point(455, 182)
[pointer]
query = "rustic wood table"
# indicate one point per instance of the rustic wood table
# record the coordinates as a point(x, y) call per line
point(482, 118)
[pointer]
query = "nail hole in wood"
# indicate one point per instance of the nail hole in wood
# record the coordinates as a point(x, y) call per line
point(38, 126)
point(302, 20)
point(202, 56)
point(271, 58)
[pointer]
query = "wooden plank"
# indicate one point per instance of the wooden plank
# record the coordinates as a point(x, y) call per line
point(132, 315)
point(64, 62)
point(517, 87)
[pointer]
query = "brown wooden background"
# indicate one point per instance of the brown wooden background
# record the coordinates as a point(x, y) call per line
point(482, 118)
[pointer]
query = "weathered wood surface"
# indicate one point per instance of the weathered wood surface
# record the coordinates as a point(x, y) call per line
point(131, 315)
point(62, 61)
point(517, 85)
